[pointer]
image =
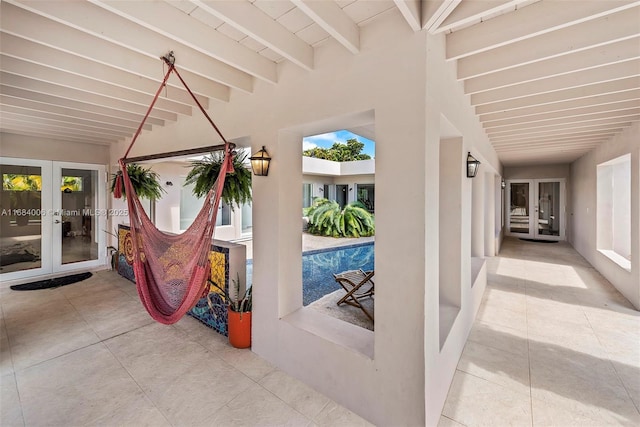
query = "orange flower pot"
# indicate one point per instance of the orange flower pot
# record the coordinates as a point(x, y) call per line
point(239, 327)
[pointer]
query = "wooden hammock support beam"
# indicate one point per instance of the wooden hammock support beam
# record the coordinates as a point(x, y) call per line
point(178, 153)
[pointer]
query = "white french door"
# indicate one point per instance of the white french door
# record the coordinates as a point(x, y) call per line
point(536, 208)
point(53, 217)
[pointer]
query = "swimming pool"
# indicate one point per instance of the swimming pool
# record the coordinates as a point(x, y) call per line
point(318, 267)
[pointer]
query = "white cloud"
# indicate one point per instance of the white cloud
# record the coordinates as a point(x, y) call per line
point(324, 140)
point(308, 145)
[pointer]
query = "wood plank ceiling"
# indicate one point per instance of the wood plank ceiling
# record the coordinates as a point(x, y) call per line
point(549, 79)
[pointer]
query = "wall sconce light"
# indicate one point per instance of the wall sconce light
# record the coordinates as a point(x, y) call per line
point(472, 166)
point(260, 162)
point(168, 183)
point(503, 184)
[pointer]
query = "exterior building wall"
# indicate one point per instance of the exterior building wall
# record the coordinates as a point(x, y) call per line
point(584, 207)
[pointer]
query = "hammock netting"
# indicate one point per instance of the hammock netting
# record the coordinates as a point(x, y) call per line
point(171, 270)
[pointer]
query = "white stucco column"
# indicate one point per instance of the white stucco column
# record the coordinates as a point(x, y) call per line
point(477, 215)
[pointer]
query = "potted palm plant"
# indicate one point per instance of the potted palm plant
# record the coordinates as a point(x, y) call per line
point(238, 313)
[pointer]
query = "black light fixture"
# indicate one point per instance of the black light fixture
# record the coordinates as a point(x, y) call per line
point(472, 166)
point(260, 162)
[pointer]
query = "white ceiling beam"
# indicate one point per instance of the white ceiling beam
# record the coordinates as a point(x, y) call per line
point(332, 19)
point(555, 145)
point(139, 102)
point(56, 124)
point(91, 19)
point(176, 25)
point(411, 10)
point(628, 114)
point(436, 11)
point(47, 136)
point(602, 100)
point(101, 138)
point(22, 23)
point(245, 17)
point(556, 140)
point(473, 12)
point(557, 125)
point(579, 61)
point(61, 103)
point(527, 158)
point(531, 21)
point(576, 112)
point(72, 121)
point(597, 75)
point(588, 35)
point(582, 92)
point(77, 110)
point(553, 150)
point(557, 131)
point(40, 54)
point(70, 94)
point(564, 135)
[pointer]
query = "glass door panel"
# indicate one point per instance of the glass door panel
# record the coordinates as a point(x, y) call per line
point(548, 209)
point(78, 228)
point(519, 208)
point(24, 229)
point(79, 222)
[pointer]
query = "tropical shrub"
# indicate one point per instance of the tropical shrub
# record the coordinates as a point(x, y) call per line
point(327, 219)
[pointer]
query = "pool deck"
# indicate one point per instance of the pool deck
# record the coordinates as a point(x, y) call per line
point(311, 243)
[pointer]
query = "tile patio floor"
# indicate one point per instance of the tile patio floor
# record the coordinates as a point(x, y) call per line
point(88, 354)
point(553, 344)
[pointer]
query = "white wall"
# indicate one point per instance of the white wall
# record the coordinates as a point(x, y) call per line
point(584, 207)
point(396, 375)
point(29, 147)
point(445, 99)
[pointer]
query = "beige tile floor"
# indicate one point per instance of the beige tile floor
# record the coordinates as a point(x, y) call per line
point(88, 354)
point(554, 344)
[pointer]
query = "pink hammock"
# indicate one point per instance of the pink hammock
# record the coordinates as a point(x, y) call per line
point(172, 270)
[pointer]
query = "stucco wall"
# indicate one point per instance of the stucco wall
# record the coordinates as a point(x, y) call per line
point(446, 103)
point(29, 147)
point(584, 207)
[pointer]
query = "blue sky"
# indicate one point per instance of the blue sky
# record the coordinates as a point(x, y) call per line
point(326, 140)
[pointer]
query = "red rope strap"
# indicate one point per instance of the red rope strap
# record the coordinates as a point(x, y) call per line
point(117, 193)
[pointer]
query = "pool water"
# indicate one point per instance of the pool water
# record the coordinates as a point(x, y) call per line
point(319, 266)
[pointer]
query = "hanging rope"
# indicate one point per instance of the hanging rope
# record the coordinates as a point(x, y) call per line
point(172, 270)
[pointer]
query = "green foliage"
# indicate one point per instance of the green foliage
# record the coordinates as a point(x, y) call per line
point(145, 182)
point(348, 152)
point(327, 219)
point(240, 304)
point(237, 185)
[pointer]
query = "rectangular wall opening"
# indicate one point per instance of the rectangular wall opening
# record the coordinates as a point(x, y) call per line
point(614, 210)
point(450, 241)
